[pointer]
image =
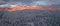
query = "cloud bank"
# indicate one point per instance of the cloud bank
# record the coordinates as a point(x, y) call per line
point(29, 2)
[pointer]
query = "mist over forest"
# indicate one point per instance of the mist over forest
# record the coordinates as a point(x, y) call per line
point(30, 17)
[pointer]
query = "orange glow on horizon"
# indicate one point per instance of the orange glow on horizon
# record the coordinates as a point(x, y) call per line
point(15, 8)
point(23, 8)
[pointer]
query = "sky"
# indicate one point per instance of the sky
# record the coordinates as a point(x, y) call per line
point(30, 2)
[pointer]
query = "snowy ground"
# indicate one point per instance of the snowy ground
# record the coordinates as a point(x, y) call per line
point(30, 18)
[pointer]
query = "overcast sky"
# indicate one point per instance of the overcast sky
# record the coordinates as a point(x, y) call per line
point(31, 2)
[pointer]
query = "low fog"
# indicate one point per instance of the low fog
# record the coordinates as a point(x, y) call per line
point(30, 17)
